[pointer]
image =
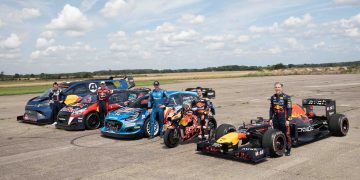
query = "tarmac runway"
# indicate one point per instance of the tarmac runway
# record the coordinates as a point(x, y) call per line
point(43, 152)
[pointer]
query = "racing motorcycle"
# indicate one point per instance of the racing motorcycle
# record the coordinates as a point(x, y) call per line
point(183, 126)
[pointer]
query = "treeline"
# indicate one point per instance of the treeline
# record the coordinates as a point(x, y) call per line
point(120, 73)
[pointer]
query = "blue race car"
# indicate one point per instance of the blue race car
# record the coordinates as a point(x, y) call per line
point(38, 111)
point(134, 120)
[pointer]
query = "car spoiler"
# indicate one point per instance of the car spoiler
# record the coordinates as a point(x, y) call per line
point(207, 92)
point(126, 82)
point(330, 105)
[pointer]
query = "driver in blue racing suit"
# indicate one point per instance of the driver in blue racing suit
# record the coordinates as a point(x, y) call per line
point(158, 100)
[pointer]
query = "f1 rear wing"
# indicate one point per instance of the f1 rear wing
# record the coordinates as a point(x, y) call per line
point(330, 105)
point(207, 92)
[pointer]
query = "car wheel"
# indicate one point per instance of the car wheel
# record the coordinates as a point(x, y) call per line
point(147, 128)
point(224, 129)
point(338, 125)
point(275, 141)
point(92, 121)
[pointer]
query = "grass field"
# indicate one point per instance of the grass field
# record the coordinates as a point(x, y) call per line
point(38, 86)
point(16, 90)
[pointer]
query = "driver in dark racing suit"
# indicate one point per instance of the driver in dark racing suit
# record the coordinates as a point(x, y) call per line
point(201, 108)
point(280, 113)
point(103, 97)
point(56, 101)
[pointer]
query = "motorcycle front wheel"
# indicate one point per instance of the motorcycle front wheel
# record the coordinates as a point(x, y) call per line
point(172, 137)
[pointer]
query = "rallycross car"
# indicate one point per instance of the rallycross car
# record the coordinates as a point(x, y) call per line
point(134, 120)
point(85, 114)
point(260, 140)
point(38, 111)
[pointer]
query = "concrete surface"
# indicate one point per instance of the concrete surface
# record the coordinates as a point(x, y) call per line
point(43, 152)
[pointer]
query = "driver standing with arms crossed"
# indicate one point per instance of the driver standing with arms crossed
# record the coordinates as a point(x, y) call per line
point(280, 113)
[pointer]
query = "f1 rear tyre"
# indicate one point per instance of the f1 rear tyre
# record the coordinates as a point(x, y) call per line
point(338, 125)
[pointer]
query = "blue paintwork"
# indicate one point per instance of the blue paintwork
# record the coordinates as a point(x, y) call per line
point(131, 128)
point(40, 104)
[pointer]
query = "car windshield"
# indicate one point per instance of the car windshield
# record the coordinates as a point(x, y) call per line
point(89, 99)
point(47, 92)
point(141, 102)
point(120, 97)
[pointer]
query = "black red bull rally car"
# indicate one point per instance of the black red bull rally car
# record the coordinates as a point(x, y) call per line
point(256, 141)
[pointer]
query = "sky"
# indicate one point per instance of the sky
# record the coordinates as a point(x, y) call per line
point(56, 36)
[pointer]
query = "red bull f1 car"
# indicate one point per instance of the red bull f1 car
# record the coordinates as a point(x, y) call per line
point(256, 141)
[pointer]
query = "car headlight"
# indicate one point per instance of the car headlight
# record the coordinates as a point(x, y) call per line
point(80, 111)
point(132, 117)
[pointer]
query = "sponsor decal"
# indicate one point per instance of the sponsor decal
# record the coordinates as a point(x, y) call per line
point(93, 87)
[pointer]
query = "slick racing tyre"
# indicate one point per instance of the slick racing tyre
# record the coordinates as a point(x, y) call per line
point(92, 121)
point(224, 129)
point(338, 125)
point(276, 142)
point(212, 127)
point(147, 128)
point(171, 138)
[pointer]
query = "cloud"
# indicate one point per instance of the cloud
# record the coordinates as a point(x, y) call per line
point(265, 29)
point(120, 35)
point(243, 39)
point(215, 46)
point(296, 21)
point(43, 42)
point(87, 5)
point(25, 13)
point(10, 47)
point(12, 42)
point(319, 45)
point(292, 42)
point(347, 2)
point(166, 28)
point(192, 19)
point(274, 50)
point(61, 51)
point(2, 24)
point(344, 27)
point(290, 22)
point(72, 20)
point(113, 8)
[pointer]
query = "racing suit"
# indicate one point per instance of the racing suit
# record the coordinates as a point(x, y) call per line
point(56, 100)
point(157, 98)
point(280, 112)
point(201, 108)
point(103, 98)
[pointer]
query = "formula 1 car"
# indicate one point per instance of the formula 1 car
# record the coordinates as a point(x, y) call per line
point(259, 140)
point(38, 111)
point(85, 114)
